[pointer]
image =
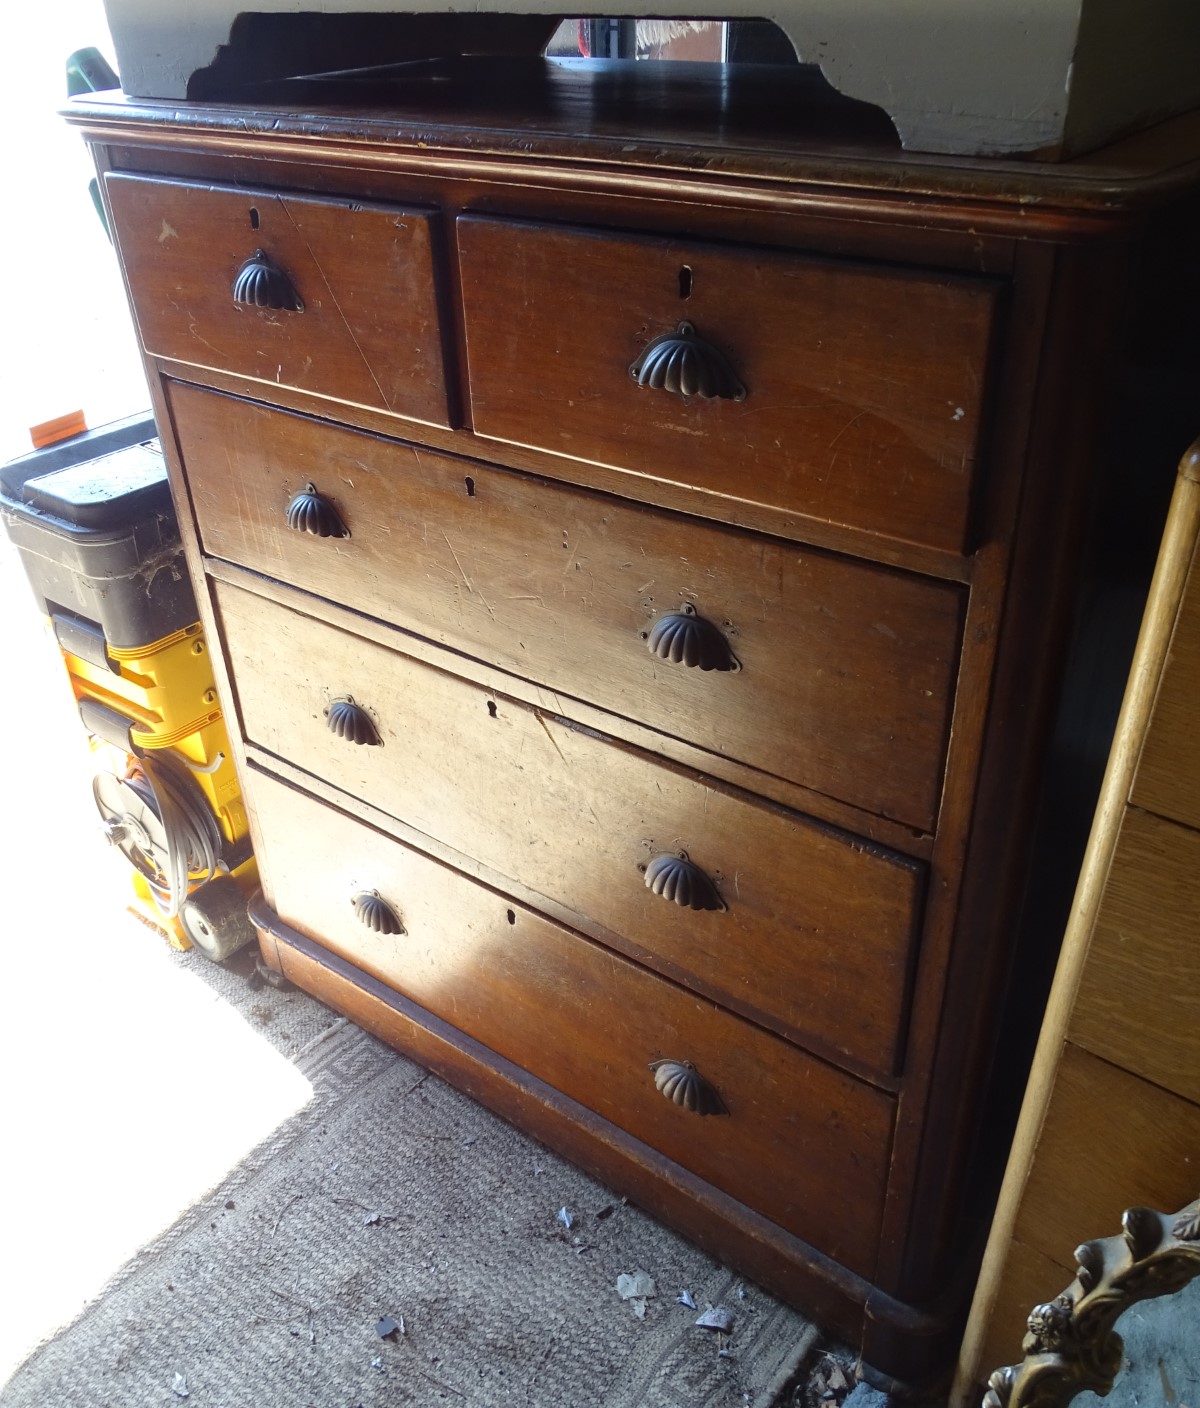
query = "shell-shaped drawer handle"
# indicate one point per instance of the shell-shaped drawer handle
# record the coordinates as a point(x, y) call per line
point(686, 364)
point(311, 512)
point(681, 880)
point(376, 914)
point(351, 721)
point(262, 284)
point(683, 1085)
point(684, 638)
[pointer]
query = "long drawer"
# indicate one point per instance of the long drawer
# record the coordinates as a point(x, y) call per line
point(366, 330)
point(864, 387)
point(847, 670)
point(799, 1141)
point(817, 932)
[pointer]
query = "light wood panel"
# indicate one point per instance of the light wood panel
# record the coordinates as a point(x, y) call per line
point(1095, 1138)
point(1031, 1277)
point(1111, 1141)
point(1136, 1004)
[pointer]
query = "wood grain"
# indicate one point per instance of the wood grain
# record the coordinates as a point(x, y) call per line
point(1111, 1141)
point(865, 385)
point(1168, 775)
point(869, 825)
point(1030, 1278)
point(568, 1011)
point(369, 333)
point(1136, 1004)
point(1129, 887)
point(574, 125)
point(847, 669)
point(818, 937)
point(917, 278)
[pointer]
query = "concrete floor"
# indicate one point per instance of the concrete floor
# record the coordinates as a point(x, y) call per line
point(128, 1085)
point(124, 1090)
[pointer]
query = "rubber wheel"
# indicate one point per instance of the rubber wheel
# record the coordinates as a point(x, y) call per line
point(214, 918)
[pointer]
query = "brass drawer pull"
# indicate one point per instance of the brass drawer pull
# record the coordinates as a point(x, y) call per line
point(261, 284)
point(684, 638)
point(683, 1085)
point(376, 913)
point(311, 512)
point(351, 721)
point(685, 364)
point(680, 880)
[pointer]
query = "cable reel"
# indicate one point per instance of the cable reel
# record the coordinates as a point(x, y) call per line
point(158, 817)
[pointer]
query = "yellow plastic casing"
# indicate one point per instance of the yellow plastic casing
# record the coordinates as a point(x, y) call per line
point(166, 688)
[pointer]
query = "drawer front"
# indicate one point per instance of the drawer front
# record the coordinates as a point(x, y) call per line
point(847, 670)
point(864, 387)
point(818, 933)
point(368, 332)
point(802, 1143)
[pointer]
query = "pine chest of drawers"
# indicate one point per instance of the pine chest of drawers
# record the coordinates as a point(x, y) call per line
point(643, 563)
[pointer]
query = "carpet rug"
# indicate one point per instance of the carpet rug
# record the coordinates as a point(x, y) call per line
point(393, 1198)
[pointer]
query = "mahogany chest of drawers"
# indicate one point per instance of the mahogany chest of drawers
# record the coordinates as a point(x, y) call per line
point(642, 559)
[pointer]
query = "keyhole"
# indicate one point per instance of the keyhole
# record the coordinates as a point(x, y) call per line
point(253, 218)
point(492, 707)
point(470, 483)
point(685, 282)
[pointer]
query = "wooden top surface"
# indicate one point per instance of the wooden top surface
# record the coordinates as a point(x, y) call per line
point(668, 122)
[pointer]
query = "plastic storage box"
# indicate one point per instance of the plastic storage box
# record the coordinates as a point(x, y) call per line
point(99, 540)
point(94, 525)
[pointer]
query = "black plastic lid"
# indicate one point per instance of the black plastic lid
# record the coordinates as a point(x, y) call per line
point(107, 493)
point(90, 445)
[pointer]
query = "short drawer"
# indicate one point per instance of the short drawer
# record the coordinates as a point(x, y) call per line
point(846, 671)
point(864, 386)
point(817, 930)
point(367, 331)
point(802, 1143)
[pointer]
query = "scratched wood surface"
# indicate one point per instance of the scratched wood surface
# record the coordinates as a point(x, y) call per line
point(819, 930)
point(847, 669)
point(865, 386)
point(569, 1011)
point(936, 359)
point(369, 333)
